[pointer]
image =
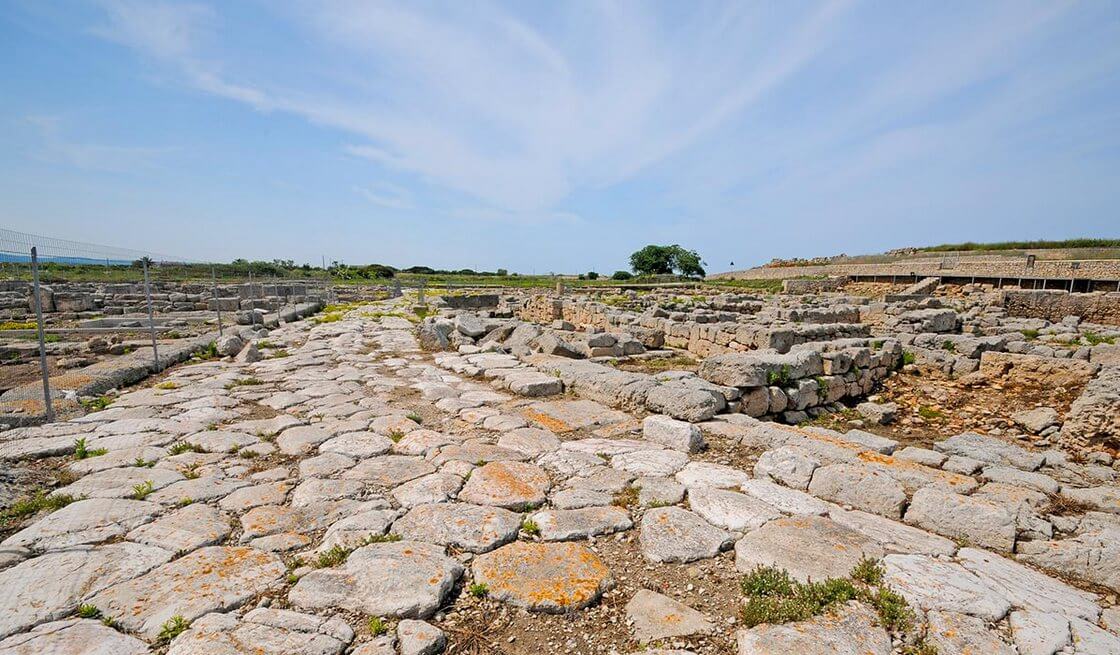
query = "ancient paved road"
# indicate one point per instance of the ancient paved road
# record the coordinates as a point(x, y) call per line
point(275, 507)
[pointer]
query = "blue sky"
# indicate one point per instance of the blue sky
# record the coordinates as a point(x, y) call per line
point(545, 137)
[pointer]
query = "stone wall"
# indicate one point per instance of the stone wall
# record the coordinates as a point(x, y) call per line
point(79, 299)
point(1010, 268)
point(1053, 306)
point(821, 285)
point(677, 331)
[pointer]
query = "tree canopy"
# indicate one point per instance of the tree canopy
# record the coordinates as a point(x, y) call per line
point(665, 260)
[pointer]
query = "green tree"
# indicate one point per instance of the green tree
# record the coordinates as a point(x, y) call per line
point(664, 260)
point(592, 275)
point(621, 275)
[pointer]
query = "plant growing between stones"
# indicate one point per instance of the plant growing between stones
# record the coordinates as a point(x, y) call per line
point(415, 418)
point(87, 611)
point(140, 462)
point(142, 490)
point(395, 435)
point(530, 527)
point(174, 627)
point(773, 597)
point(180, 447)
point(81, 451)
point(478, 590)
point(96, 404)
point(948, 346)
point(908, 358)
point(34, 504)
point(628, 497)
point(167, 385)
point(377, 626)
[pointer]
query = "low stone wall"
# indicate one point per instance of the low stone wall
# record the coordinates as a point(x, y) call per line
point(815, 285)
point(78, 299)
point(1008, 268)
point(811, 375)
point(703, 339)
point(1053, 306)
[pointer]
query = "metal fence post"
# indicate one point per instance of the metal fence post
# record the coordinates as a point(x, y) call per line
point(151, 318)
point(217, 300)
point(48, 406)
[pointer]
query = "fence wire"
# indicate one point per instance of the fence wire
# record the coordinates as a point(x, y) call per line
point(16, 247)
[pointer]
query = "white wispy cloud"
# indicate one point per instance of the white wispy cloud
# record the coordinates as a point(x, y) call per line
point(522, 110)
point(56, 147)
point(387, 195)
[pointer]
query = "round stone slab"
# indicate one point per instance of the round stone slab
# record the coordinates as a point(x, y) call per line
point(552, 577)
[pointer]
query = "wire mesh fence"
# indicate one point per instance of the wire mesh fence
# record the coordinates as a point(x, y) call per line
point(74, 315)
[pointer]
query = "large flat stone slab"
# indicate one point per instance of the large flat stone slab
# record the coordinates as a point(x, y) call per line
point(73, 637)
point(184, 530)
point(264, 631)
point(51, 586)
point(852, 630)
point(943, 586)
point(400, 579)
point(84, 522)
point(672, 534)
point(655, 616)
point(1028, 589)
point(810, 548)
point(216, 578)
point(567, 524)
point(472, 528)
point(510, 485)
point(552, 577)
point(731, 510)
point(975, 520)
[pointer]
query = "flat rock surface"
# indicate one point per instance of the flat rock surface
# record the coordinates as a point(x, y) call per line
point(655, 616)
point(473, 528)
point(400, 579)
point(264, 632)
point(73, 637)
point(672, 534)
point(851, 630)
point(783, 543)
point(554, 577)
point(51, 586)
point(211, 579)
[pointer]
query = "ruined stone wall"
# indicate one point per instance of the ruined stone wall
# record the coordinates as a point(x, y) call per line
point(822, 285)
point(77, 299)
point(700, 338)
point(1005, 267)
point(1055, 305)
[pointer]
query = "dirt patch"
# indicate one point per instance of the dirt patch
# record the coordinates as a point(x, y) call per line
point(477, 626)
point(934, 407)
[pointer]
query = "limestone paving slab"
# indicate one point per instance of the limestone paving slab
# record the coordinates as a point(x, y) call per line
point(672, 534)
point(400, 579)
point(264, 631)
point(84, 522)
point(783, 543)
point(215, 578)
point(567, 524)
point(50, 586)
point(73, 637)
point(655, 616)
point(473, 528)
point(545, 577)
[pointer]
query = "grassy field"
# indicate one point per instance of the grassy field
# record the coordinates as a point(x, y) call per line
point(969, 246)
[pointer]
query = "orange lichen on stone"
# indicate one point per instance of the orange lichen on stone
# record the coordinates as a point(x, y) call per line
point(549, 422)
